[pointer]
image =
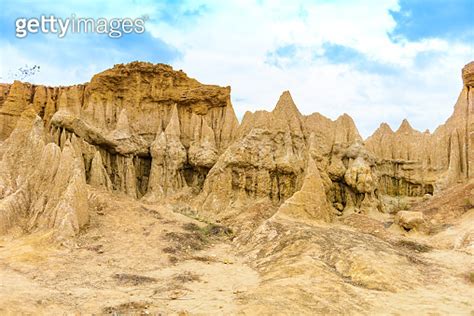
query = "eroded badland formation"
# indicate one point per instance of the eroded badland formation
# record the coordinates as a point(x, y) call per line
point(140, 192)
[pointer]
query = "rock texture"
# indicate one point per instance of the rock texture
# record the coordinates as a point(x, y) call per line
point(276, 151)
point(120, 112)
point(409, 220)
point(107, 167)
point(154, 134)
point(42, 186)
point(168, 159)
point(414, 163)
point(310, 202)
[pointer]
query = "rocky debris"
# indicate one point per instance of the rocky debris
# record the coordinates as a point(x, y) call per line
point(409, 220)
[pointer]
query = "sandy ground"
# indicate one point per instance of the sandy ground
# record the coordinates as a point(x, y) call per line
point(141, 259)
point(119, 265)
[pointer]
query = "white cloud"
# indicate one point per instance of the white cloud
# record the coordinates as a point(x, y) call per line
point(230, 44)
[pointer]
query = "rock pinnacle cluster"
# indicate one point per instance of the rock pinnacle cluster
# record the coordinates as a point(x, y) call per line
point(153, 133)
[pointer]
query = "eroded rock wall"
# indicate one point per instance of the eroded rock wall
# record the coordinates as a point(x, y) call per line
point(42, 186)
point(274, 158)
point(151, 132)
point(413, 163)
point(122, 112)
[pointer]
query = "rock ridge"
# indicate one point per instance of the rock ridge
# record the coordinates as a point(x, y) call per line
point(153, 133)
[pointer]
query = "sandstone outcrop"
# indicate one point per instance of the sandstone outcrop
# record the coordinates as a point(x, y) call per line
point(310, 202)
point(151, 132)
point(168, 158)
point(43, 187)
point(468, 75)
point(98, 174)
point(272, 156)
point(412, 163)
point(409, 220)
point(120, 112)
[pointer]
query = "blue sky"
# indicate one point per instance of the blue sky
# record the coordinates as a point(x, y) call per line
point(377, 60)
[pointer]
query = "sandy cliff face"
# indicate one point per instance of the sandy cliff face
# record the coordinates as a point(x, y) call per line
point(278, 155)
point(153, 133)
point(414, 163)
point(41, 186)
point(122, 112)
point(141, 129)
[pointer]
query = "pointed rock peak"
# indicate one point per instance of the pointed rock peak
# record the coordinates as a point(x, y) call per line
point(345, 117)
point(310, 203)
point(384, 128)
point(405, 127)
point(312, 172)
point(173, 128)
point(158, 146)
point(75, 142)
point(160, 137)
point(346, 120)
point(346, 130)
point(287, 105)
point(98, 174)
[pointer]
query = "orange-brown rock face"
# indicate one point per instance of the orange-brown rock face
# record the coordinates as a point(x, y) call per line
point(141, 129)
point(152, 133)
point(121, 112)
point(147, 92)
